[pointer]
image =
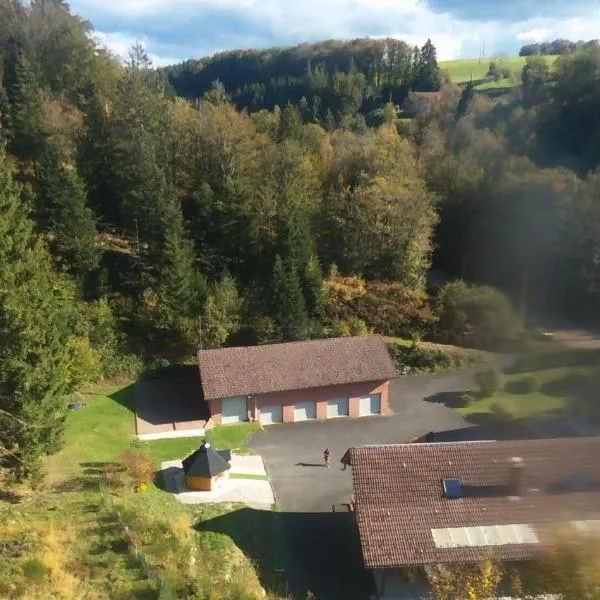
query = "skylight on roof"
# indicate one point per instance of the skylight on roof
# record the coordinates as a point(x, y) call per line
point(452, 487)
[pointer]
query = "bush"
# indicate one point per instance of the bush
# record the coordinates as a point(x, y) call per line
point(421, 359)
point(489, 382)
point(525, 385)
point(139, 465)
point(501, 412)
point(475, 315)
point(464, 400)
point(386, 307)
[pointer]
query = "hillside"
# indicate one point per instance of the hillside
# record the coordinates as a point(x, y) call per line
point(328, 79)
point(466, 69)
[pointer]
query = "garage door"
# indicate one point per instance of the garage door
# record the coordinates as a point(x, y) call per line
point(271, 414)
point(370, 405)
point(337, 407)
point(234, 410)
point(305, 410)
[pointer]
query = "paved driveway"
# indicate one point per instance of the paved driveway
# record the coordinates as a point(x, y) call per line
point(293, 451)
point(323, 550)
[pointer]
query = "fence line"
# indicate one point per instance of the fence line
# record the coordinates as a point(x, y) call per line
point(153, 575)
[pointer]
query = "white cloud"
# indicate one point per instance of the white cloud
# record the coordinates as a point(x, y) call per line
point(173, 31)
point(120, 44)
point(538, 34)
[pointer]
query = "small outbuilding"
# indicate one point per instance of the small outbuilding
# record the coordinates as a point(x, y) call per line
point(207, 469)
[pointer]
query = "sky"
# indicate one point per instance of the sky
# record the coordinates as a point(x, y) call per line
point(175, 30)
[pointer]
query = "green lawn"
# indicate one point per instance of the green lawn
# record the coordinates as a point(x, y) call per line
point(69, 509)
point(104, 429)
point(550, 398)
point(465, 69)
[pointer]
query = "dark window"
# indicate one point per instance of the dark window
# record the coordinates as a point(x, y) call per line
point(452, 487)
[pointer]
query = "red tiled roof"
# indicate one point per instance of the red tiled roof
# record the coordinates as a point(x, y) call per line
point(399, 499)
point(293, 366)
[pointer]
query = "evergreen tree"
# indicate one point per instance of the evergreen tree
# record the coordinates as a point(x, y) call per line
point(28, 114)
point(181, 285)
point(64, 210)
point(289, 307)
point(35, 314)
point(427, 77)
point(313, 287)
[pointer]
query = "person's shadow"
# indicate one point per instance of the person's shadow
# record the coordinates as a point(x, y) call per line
point(304, 464)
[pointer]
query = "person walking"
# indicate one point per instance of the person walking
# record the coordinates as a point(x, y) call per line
point(326, 457)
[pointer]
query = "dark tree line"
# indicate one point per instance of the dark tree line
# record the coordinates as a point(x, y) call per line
point(326, 80)
point(555, 48)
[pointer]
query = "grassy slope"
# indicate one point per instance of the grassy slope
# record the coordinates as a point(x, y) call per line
point(465, 69)
point(92, 545)
point(536, 404)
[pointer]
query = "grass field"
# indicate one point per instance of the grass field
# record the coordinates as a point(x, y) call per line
point(467, 69)
point(551, 398)
point(63, 541)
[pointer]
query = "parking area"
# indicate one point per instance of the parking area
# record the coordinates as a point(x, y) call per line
point(323, 550)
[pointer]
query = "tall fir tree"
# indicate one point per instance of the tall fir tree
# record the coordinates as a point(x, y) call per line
point(289, 306)
point(313, 287)
point(181, 286)
point(36, 309)
point(64, 210)
point(28, 114)
point(427, 76)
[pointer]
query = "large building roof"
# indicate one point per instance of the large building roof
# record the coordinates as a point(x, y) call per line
point(405, 518)
point(253, 370)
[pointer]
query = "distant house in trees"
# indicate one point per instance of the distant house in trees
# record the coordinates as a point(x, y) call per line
point(207, 469)
point(421, 505)
point(297, 381)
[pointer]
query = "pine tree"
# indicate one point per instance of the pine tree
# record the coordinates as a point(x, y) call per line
point(28, 114)
point(289, 307)
point(64, 210)
point(313, 287)
point(36, 309)
point(427, 77)
point(181, 286)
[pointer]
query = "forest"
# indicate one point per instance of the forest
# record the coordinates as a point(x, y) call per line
point(139, 225)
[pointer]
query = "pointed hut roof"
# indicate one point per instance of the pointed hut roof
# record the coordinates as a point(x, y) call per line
point(207, 462)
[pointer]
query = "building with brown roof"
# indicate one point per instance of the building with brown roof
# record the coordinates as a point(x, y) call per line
point(296, 381)
point(443, 503)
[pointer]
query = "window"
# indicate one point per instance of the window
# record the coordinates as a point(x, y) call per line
point(452, 487)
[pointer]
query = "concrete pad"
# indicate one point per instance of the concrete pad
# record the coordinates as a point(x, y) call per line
point(247, 465)
point(168, 435)
point(253, 492)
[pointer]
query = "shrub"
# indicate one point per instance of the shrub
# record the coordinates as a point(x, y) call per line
point(525, 385)
point(422, 359)
point(464, 400)
point(475, 315)
point(501, 412)
point(388, 308)
point(489, 381)
point(138, 464)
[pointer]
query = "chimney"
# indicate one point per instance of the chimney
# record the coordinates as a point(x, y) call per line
point(515, 484)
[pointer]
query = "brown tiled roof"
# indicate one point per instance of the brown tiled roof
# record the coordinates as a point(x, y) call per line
point(298, 365)
point(399, 498)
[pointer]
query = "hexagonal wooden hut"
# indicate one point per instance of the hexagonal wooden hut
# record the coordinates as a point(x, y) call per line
point(207, 469)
